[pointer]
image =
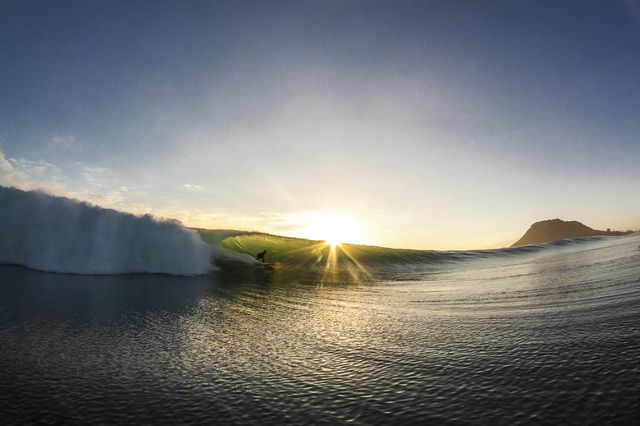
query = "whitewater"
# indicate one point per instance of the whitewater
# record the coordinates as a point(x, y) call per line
point(58, 234)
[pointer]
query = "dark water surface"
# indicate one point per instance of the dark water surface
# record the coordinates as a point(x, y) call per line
point(529, 338)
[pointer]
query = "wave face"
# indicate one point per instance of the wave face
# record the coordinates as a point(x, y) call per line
point(388, 263)
point(57, 234)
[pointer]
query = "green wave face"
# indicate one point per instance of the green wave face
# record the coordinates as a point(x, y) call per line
point(299, 257)
point(290, 251)
point(301, 252)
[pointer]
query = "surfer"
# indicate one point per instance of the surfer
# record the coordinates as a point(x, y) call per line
point(260, 256)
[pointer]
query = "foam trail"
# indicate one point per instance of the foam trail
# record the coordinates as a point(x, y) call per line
point(58, 234)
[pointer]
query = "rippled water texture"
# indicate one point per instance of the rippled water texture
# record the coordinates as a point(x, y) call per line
point(551, 336)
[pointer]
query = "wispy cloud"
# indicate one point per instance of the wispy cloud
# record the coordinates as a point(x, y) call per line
point(97, 176)
point(36, 168)
point(9, 176)
point(5, 165)
point(194, 188)
point(63, 141)
point(98, 185)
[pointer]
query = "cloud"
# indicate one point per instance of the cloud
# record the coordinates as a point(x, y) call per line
point(194, 188)
point(5, 165)
point(36, 168)
point(9, 176)
point(98, 185)
point(28, 174)
point(97, 176)
point(63, 141)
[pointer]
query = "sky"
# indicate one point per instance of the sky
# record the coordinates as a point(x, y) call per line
point(427, 124)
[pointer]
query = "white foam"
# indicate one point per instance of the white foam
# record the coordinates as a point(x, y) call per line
point(59, 234)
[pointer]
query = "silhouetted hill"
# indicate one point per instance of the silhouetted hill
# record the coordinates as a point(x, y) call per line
point(556, 229)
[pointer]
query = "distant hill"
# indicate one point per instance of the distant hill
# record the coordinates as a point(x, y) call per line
point(556, 229)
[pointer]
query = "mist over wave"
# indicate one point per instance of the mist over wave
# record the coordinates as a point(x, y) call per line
point(57, 234)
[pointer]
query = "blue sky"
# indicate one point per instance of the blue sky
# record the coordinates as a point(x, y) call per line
point(435, 124)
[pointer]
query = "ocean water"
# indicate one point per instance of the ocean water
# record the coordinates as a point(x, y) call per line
point(537, 335)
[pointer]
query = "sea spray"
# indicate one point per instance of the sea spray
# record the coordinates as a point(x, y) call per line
point(59, 234)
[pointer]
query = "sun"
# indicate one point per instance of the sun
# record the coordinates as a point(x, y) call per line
point(333, 228)
point(333, 240)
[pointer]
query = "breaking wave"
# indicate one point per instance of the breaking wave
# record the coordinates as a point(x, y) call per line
point(295, 252)
point(57, 234)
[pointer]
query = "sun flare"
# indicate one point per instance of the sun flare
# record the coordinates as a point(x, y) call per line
point(333, 228)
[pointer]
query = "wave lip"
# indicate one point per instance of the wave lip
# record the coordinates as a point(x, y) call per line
point(57, 234)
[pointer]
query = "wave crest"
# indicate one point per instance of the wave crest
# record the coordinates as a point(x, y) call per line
point(58, 234)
